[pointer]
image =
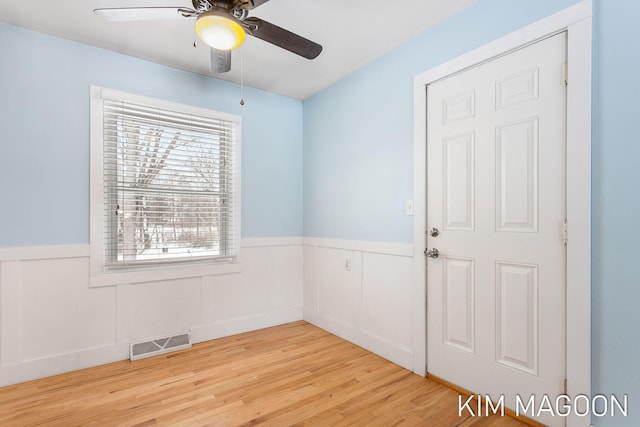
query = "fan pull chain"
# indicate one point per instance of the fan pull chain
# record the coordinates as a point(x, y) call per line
point(241, 75)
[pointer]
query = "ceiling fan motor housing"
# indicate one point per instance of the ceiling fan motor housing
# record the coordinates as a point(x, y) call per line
point(239, 14)
point(219, 29)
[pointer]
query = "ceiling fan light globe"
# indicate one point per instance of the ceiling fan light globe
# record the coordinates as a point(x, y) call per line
point(219, 32)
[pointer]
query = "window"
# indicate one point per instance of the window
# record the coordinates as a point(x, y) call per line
point(168, 186)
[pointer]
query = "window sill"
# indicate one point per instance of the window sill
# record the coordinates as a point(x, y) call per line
point(159, 274)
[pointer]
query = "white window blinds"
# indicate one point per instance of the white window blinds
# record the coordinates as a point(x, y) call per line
point(168, 185)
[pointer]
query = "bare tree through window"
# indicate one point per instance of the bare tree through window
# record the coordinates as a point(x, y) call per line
point(168, 188)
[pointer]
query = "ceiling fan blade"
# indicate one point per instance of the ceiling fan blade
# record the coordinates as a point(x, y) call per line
point(250, 4)
point(220, 60)
point(282, 38)
point(143, 13)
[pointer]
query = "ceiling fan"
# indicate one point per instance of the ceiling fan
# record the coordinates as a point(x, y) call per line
point(222, 25)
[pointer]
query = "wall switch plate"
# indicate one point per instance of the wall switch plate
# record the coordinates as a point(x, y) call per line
point(408, 207)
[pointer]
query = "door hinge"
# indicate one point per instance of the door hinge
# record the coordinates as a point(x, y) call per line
point(565, 387)
point(565, 232)
point(565, 73)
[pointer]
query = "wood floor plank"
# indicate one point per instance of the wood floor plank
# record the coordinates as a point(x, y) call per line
point(293, 374)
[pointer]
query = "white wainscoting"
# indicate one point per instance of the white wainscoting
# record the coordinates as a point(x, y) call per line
point(362, 292)
point(52, 321)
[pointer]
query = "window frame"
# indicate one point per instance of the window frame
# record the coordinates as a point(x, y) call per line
point(99, 275)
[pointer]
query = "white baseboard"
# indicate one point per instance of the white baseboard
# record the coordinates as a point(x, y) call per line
point(59, 364)
point(244, 324)
point(371, 343)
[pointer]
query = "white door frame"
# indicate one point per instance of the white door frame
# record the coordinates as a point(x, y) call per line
point(576, 20)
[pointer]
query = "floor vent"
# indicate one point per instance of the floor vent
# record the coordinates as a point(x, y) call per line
point(160, 345)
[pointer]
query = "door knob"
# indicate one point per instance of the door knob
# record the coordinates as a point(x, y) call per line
point(434, 232)
point(431, 253)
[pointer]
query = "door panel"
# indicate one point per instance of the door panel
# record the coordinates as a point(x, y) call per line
point(496, 191)
point(517, 176)
point(458, 182)
point(517, 316)
point(458, 291)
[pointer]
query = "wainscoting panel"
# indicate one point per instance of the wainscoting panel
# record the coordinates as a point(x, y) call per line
point(386, 299)
point(337, 284)
point(285, 268)
point(52, 321)
point(59, 313)
point(310, 293)
point(361, 291)
point(158, 308)
point(232, 296)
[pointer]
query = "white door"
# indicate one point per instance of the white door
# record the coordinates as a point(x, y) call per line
point(496, 194)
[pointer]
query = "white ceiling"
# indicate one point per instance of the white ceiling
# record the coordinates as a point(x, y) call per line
point(352, 32)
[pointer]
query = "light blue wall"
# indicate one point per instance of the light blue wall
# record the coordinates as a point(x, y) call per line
point(44, 137)
point(358, 133)
point(358, 162)
point(357, 151)
point(616, 205)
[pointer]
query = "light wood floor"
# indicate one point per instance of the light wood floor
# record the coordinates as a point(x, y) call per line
point(294, 374)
